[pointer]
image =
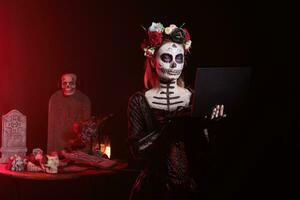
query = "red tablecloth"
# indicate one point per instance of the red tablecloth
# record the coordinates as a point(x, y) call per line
point(120, 166)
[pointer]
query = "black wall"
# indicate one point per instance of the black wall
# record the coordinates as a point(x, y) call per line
point(99, 41)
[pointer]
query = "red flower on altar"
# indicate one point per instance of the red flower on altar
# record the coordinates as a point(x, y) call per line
point(155, 38)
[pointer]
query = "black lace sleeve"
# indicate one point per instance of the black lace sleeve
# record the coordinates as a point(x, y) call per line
point(143, 135)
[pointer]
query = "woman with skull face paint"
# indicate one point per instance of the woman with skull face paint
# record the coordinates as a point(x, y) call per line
point(160, 129)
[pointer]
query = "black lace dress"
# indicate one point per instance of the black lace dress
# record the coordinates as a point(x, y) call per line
point(171, 147)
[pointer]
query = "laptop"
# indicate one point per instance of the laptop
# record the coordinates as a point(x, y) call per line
point(229, 86)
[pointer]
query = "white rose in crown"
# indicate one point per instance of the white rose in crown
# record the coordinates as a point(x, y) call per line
point(156, 27)
point(187, 44)
point(168, 30)
point(172, 26)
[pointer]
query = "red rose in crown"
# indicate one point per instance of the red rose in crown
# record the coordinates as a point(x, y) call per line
point(155, 38)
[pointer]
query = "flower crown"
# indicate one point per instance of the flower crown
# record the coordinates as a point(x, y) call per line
point(157, 33)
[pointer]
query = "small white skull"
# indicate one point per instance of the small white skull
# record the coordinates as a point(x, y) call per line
point(52, 164)
point(68, 84)
point(170, 61)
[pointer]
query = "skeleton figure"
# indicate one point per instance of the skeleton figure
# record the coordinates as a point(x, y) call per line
point(169, 65)
point(66, 106)
point(68, 84)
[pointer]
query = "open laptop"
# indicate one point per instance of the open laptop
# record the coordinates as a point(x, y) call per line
point(221, 85)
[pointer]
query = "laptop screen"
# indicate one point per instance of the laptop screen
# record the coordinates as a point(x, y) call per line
point(221, 85)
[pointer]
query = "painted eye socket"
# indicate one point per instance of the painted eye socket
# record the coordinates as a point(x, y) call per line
point(179, 58)
point(165, 57)
point(68, 83)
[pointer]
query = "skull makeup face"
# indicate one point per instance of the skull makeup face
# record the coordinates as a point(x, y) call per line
point(68, 84)
point(170, 58)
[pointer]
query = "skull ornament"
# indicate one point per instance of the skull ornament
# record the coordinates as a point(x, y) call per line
point(52, 164)
point(68, 84)
point(170, 61)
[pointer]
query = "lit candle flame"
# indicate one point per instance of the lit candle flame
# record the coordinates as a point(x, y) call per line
point(105, 149)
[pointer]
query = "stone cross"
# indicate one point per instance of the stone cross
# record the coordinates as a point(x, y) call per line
point(13, 135)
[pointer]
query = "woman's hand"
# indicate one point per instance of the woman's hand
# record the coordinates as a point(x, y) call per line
point(212, 123)
point(218, 112)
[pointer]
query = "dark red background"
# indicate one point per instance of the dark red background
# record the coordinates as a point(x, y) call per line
point(99, 41)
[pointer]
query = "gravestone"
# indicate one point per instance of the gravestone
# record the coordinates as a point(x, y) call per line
point(63, 112)
point(13, 135)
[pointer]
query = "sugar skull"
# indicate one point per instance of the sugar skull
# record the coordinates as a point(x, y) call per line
point(68, 84)
point(169, 61)
point(18, 163)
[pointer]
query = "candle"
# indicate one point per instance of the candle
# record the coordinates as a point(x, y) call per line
point(105, 149)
